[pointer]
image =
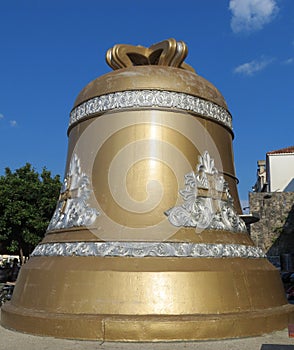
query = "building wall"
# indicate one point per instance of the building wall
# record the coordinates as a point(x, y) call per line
point(274, 233)
point(280, 169)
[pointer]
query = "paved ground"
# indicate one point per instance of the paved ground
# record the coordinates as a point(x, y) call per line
point(10, 340)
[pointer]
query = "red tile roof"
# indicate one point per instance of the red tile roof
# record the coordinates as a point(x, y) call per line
point(289, 149)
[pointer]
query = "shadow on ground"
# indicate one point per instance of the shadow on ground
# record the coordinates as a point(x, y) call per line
point(277, 347)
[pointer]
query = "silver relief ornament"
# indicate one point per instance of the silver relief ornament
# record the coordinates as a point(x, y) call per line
point(207, 201)
point(72, 208)
point(151, 98)
point(147, 249)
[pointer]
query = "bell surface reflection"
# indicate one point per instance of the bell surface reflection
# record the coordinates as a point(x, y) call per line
point(146, 242)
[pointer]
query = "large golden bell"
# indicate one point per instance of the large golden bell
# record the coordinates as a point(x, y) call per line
point(146, 243)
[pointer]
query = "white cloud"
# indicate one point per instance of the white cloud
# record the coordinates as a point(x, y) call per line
point(13, 123)
point(252, 67)
point(288, 61)
point(251, 15)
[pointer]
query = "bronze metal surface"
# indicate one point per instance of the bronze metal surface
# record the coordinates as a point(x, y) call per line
point(128, 167)
point(159, 134)
point(166, 53)
point(184, 234)
point(152, 77)
point(134, 69)
point(138, 299)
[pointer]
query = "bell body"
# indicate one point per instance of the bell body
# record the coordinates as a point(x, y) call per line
point(146, 243)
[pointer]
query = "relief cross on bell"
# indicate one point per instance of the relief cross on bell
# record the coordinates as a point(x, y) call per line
point(72, 208)
point(208, 203)
point(66, 194)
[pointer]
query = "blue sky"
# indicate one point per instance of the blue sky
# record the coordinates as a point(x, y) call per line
point(51, 49)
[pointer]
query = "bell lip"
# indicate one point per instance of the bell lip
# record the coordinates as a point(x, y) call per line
point(153, 78)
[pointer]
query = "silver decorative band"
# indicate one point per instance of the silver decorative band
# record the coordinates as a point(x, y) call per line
point(151, 98)
point(145, 249)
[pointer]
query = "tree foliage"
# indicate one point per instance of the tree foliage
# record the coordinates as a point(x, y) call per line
point(27, 202)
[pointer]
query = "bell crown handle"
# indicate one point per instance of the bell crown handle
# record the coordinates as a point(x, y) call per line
point(169, 52)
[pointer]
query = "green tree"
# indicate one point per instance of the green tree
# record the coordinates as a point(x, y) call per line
point(27, 202)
